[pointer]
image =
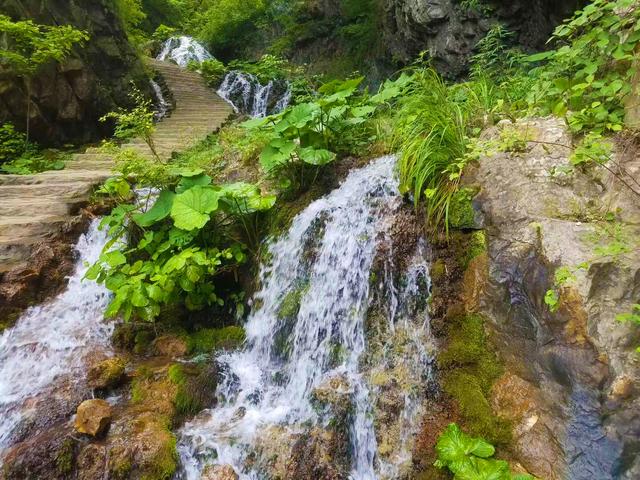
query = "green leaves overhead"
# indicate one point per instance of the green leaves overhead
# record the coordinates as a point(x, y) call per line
point(192, 208)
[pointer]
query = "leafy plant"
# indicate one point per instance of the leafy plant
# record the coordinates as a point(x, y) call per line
point(213, 71)
point(33, 161)
point(29, 46)
point(178, 247)
point(12, 143)
point(137, 122)
point(589, 74)
point(562, 277)
point(470, 458)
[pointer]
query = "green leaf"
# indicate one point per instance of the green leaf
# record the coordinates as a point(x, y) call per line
point(191, 209)
point(315, 156)
point(160, 210)
point(187, 172)
point(300, 115)
point(114, 258)
point(276, 153)
point(187, 182)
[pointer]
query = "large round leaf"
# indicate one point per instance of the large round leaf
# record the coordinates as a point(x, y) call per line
point(192, 209)
point(316, 156)
point(241, 197)
point(160, 210)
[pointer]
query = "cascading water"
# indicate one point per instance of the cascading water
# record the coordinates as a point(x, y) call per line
point(314, 302)
point(161, 105)
point(183, 50)
point(51, 341)
point(247, 95)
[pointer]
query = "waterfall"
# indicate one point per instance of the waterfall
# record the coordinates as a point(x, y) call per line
point(162, 106)
point(51, 342)
point(183, 50)
point(314, 301)
point(247, 95)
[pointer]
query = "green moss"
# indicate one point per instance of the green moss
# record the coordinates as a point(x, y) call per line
point(209, 340)
point(196, 386)
point(438, 270)
point(470, 368)
point(461, 212)
point(165, 462)
point(290, 305)
point(142, 341)
point(65, 457)
point(476, 246)
point(138, 389)
point(121, 469)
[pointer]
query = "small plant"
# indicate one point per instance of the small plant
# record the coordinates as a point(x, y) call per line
point(213, 71)
point(138, 122)
point(12, 143)
point(469, 458)
point(562, 277)
point(631, 317)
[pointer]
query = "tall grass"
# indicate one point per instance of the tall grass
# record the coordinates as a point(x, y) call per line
point(430, 136)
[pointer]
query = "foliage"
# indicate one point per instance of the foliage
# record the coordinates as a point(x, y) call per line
point(589, 74)
point(177, 247)
point(33, 161)
point(213, 71)
point(310, 135)
point(496, 56)
point(12, 143)
point(562, 277)
point(132, 15)
point(30, 45)
point(470, 458)
point(137, 122)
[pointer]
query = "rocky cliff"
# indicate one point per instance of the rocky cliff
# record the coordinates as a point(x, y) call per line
point(450, 29)
point(69, 98)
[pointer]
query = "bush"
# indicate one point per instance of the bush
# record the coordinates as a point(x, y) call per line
point(12, 143)
point(213, 71)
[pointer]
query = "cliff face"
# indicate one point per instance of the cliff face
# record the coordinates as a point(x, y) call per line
point(449, 31)
point(69, 98)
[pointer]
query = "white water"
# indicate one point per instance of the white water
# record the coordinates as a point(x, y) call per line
point(327, 255)
point(183, 50)
point(51, 340)
point(247, 95)
point(162, 106)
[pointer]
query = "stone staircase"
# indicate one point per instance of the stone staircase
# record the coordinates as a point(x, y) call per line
point(34, 208)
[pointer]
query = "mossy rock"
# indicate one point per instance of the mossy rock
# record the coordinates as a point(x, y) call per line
point(196, 387)
point(461, 212)
point(209, 340)
point(106, 374)
point(476, 246)
point(469, 369)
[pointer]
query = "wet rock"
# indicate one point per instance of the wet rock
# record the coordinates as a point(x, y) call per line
point(170, 346)
point(320, 455)
point(540, 219)
point(93, 417)
point(334, 397)
point(106, 374)
point(219, 472)
point(91, 462)
point(50, 455)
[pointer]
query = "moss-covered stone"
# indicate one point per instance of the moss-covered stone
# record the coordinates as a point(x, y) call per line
point(470, 368)
point(106, 374)
point(196, 386)
point(461, 212)
point(65, 457)
point(208, 340)
point(476, 246)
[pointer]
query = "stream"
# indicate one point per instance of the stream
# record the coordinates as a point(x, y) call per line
point(270, 390)
point(49, 345)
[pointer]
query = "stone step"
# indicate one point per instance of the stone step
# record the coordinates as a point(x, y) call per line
point(31, 225)
point(75, 176)
point(63, 190)
point(25, 206)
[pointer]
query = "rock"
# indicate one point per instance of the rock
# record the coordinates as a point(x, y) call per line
point(69, 98)
point(320, 454)
point(219, 472)
point(93, 417)
point(170, 346)
point(106, 374)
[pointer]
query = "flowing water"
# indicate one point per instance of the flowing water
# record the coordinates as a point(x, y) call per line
point(161, 104)
point(51, 341)
point(247, 95)
point(324, 265)
point(183, 50)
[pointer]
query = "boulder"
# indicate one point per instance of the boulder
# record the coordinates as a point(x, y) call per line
point(93, 417)
point(106, 374)
point(219, 472)
point(170, 346)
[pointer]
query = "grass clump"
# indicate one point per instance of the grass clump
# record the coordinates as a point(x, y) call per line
point(469, 369)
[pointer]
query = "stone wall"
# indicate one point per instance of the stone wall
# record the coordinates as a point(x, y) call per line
point(69, 98)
